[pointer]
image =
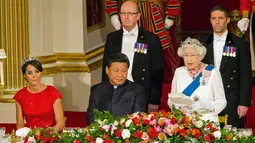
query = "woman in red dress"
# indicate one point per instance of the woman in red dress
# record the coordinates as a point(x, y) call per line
point(37, 104)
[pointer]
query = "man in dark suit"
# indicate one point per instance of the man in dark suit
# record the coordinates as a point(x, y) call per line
point(117, 95)
point(231, 55)
point(144, 51)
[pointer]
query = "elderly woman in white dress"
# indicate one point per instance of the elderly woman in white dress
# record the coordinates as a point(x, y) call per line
point(197, 81)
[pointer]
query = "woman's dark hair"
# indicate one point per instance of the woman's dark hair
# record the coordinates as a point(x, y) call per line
point(117, 57)
point(36, 63)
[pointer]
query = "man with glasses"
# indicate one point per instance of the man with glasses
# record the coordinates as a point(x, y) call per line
point(158, 17)
point(231, 55)
point(144, 51)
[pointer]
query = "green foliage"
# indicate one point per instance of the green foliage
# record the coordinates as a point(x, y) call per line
point(158, 127)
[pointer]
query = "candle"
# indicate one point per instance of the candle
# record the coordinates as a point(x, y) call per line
point(2, 72)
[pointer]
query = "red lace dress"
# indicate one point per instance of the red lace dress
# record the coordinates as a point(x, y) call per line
point(37, 108)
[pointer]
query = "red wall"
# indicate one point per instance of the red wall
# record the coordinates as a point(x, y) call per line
point(196, 13)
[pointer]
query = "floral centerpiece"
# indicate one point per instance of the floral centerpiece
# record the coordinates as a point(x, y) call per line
point(48, 135)
point(42, 135)
point(166, 127)
point(157, 127)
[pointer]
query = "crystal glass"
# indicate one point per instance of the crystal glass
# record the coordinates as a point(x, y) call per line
point(2, 131)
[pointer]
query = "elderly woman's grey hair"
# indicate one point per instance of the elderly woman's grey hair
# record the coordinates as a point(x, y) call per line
point(192, 43)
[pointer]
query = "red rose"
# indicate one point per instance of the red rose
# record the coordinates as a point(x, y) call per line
point(89, 138)
point(165, 114)
point(198, 134)
point(56, 137)
point(41, 137)
point(207, 138)
point(107, 141)
point(141, 115)
point(44, 139)
point(153, 116)
point(26, 139)
point(186, 120)
point(146, 122)
point(182, 132)
point(173, 120)
point(138, 134)
point(101, 129)
point(212, 137)
point(153, 133)
point(76, 141)
point(47, 130)
point(118, 133)
point(51, 140)
point(135, 121)
point(106, 136)
point(210, 125)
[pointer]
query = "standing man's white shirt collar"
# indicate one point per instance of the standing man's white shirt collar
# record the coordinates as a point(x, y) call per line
point(134, 31)
point(128, 44)
point(218, 44)
point(222, 37)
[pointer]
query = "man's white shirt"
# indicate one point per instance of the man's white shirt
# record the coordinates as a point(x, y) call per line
point(218, 44)
point(128, 42)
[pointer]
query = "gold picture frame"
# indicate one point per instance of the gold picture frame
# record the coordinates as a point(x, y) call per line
point(95, 14)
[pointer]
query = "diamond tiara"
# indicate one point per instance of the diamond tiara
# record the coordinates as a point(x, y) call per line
point(191, 41)
point(29, 60)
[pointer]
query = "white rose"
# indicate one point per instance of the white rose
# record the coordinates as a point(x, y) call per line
point(31, 140)
point(122, 120)
point(99, 140)
point(106, 127)
point(125, 134)
point(127, 124)
point(132, 116)
point(149, 117)
point(115, 123)
point(234, 138)
point(217, 134)
point(113, 128)
point(198, 124)
point(247, 132)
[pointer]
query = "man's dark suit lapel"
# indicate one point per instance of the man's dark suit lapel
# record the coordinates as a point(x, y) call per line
point(118, 41)
point(210, 53)
point(140, 39)
point(225, 59)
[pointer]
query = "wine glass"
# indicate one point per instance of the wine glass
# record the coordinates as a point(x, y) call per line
point(2, 131)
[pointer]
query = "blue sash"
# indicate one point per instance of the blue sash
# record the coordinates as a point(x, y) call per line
point(195, 83)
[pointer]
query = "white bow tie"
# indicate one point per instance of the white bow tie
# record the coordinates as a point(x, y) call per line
point(219, 39)
point(128, 34)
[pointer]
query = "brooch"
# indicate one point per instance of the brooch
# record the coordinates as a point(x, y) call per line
point(205, 77)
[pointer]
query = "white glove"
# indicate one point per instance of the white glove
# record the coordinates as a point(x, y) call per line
point(115, 22)
point(168, 23)
point(201, 105)
point(243, 24)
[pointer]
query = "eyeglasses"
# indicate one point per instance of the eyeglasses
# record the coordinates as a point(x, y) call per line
point(128, 13)
point(191, 55)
